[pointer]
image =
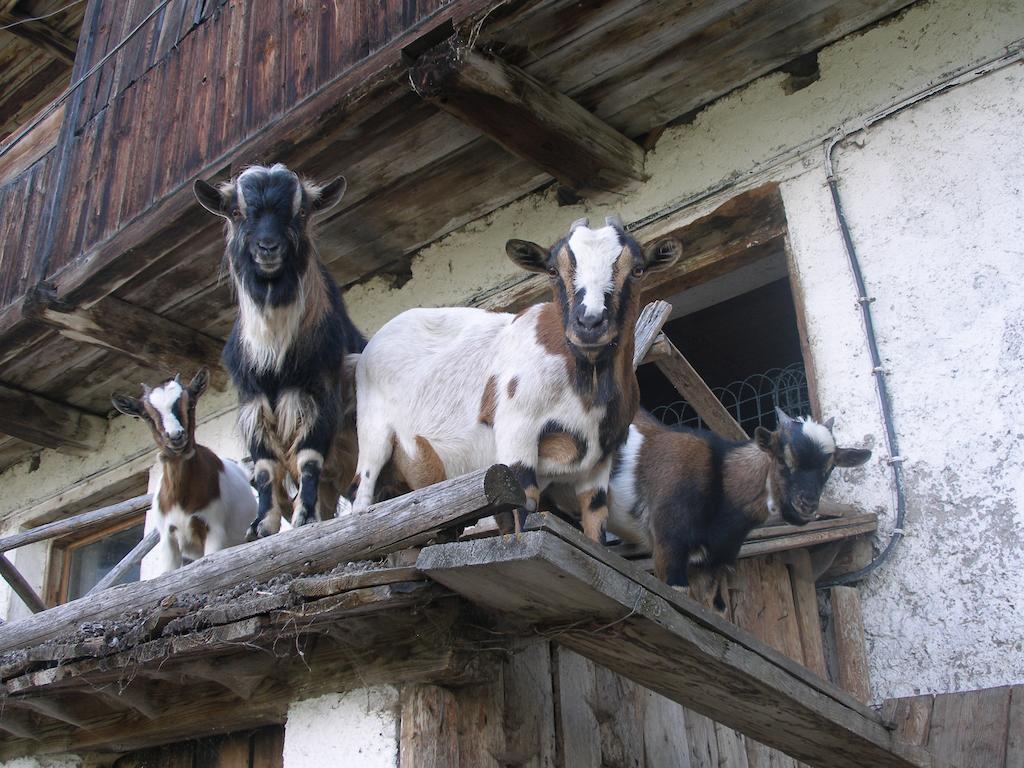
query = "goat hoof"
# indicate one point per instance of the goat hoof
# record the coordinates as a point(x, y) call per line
point(252, 533)
point(302, 517)
point(264, 529)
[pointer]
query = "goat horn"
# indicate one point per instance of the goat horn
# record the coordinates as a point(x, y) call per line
point(784, 419)
point(584, 222)
point(830, 423)
point(614, 221)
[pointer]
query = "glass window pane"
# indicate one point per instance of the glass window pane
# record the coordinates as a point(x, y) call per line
point(90, 562)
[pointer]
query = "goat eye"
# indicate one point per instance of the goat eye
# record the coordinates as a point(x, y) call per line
point(638, 271)
point(553, 271)
point(235, 213)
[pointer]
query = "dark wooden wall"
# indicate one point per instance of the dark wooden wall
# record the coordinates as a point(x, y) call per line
point(199, 79)
point(21, 227)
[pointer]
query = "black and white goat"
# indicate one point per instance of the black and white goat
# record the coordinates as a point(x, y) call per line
point(287, 350)
point(550, 392)
point(205, 503)
point(693, 496)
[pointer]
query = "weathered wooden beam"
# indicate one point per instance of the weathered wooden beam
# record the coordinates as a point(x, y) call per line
point(145, 337)
point(21, 586)
point(528, 118)
point(691, 386)
point(48, 707)
point(87, 522)
point(40, 34)
point(133, 697)
point(385, 527)
point(851, 648)
point(47, 423)
point(648, 328)
point(668, 644)
point(36, 143)
point(129, 561)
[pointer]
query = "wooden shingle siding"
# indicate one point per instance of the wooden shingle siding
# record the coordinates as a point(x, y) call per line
point(21, 227)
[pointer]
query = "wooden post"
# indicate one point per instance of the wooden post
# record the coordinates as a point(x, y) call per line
point(528, 118)
point(20, 586)
point(691, 386)
point(648, 329)
point(851, 649)
point(429, 735)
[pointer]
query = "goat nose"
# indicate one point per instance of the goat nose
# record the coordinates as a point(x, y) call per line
point(268, 244)
point(589, 321)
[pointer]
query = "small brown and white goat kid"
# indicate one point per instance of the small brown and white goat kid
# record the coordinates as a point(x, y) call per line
point(205, 503)
point(550, 392)
point(693, 496)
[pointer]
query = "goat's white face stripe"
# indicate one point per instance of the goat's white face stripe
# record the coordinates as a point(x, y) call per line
point(163, 399)
point(820, 434)
point(596, 251)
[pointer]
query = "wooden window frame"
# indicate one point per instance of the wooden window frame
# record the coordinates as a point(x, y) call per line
point(58, 573)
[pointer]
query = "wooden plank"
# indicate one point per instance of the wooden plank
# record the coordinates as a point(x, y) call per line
point(528, 118)
point(970, 727)
point(691, 386)
point(851, 646)
point(578, 731)
point(666, 646)
point(428, 736)
point(21, 586)
point(48, 423)
point(129, 561)
point(385, 527)
point(665, 736)
point(82, 524)
point(805, 603)
point(528, 715)
point(268, 747)
point(911, 717)
point(37, 143)
point(1015, 729)
point(480, 718)
point(147, 338)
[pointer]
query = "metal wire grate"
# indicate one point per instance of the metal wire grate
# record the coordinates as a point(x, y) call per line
point(751, 401)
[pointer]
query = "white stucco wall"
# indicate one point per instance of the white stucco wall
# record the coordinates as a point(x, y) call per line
point(906, 215)
point(934, 201)
point(358, 728)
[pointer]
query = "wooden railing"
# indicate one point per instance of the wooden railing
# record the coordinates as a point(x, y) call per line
point(80, 524)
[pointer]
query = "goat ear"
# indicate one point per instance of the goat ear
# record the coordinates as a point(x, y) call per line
point(662, 254)
point(764, 439)
point(129, 406)
point(785, 420)
point(330, 195)
point(850, 457)
point(210, 197)
point(527, 255)
point(831, 422)
point(199, 382)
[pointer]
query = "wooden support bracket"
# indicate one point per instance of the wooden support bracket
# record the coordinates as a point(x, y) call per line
point(528, 118)
point(149, 339)
point(48, 423)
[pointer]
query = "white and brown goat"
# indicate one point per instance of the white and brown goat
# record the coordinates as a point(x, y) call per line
point(550, 392)
point(204, 503)
point(693, 496)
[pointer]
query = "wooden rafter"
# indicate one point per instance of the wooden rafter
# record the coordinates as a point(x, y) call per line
point(149, 339)
point(20, 585)
point(47, 423)
point(528, 118)
point(38, 33)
